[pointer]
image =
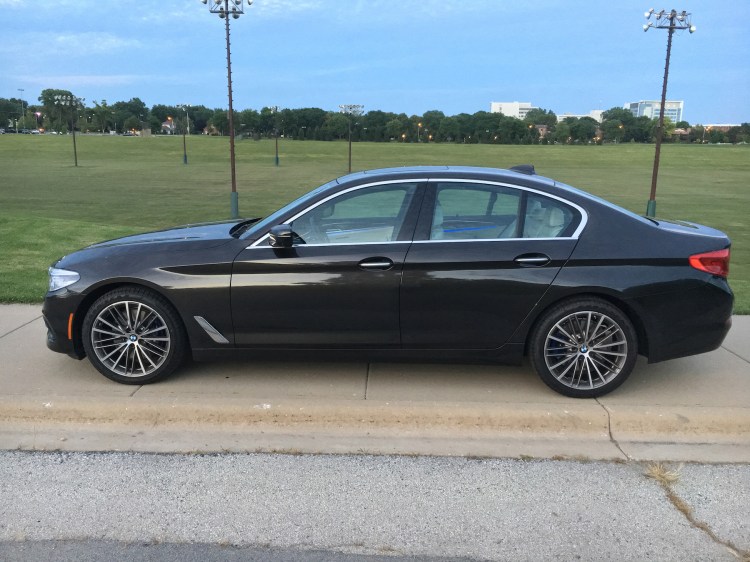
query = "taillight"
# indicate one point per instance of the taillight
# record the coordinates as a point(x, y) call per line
point(715, 263)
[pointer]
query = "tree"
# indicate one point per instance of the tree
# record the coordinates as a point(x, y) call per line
point(394, 129)
point(643, 129)
point(132, 123)
point(431, 122)
point(220, 121)
point(739, 134)
point(60, 117)
point(562, 134)
point(10, 111)
point(449, 129)
point(618, 124)
point(538, 116)
point(336, 125)
point(248, 121)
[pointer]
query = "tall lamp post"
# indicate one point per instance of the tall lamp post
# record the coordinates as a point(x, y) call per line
point(72, 102)
point(21, 115)
point(671, 21)
point(225, 9)
point(184, 129)
point(351, 110)
point(274, 111)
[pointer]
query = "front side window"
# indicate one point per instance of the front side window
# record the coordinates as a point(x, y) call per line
point(369, 215)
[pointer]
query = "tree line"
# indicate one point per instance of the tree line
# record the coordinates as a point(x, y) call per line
point(53, 113)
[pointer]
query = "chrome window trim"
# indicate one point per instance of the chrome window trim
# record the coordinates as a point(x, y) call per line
point(254, 247)
point(337, 194)
point(491, 240)
point(574, 236)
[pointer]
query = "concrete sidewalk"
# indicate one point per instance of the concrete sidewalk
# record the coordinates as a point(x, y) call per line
point(692, 409)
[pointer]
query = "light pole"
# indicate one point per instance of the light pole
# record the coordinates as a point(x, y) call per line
point(72, 102)
point(274, 111)
point(225, 9)
point(187, 125)
point(419, 128)
point(351, 110)
point(670, 21)
point(21, 115)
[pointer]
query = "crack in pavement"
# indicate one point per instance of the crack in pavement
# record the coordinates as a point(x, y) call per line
point(21, 326)
point(737, 355)
point(609, 431)
point(683, 507)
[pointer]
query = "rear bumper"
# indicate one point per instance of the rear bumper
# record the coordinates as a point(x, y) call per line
point(688, 322)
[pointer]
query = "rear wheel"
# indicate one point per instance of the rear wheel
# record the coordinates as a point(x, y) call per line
point(584, 348)
point(133, 336)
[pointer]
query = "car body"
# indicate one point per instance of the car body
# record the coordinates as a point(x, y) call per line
point(437, 263)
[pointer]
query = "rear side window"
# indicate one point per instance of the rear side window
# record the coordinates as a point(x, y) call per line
point(465, 211)
point(546, 218)
point(469, 211)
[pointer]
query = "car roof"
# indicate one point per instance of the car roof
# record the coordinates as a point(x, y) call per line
point(471, 172)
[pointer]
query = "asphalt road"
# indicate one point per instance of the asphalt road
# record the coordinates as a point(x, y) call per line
point(81, 506)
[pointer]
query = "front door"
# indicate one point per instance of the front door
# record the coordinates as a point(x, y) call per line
point(338, 285)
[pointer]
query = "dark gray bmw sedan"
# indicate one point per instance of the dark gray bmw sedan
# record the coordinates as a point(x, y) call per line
point(432, 263)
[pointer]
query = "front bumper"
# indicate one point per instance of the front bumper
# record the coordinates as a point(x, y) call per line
point(63, 327)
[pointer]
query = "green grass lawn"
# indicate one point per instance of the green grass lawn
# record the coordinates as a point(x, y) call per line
point(125, 185)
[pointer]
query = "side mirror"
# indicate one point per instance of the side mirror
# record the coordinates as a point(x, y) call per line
point(281, 236)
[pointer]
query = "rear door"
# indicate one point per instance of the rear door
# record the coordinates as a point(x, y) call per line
point(483, 256)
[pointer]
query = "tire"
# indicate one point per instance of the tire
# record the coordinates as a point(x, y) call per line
point(584, 348)
point(133, 336)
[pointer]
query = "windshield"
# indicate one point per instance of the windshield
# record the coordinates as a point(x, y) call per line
point(272, 219)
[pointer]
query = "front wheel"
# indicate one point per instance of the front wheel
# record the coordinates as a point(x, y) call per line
point(584, 348)
point(133, 336)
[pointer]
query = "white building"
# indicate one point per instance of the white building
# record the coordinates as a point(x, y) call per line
point(595, 114)
point(517, 109)
point(652, 109)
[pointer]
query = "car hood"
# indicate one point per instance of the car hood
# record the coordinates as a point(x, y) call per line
point(207, 232)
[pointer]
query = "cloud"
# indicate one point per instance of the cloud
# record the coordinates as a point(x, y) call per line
point(71, 44)
point(82, 80)
point(90, 43)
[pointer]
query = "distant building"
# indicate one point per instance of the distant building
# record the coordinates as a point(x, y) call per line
point(517, 109)
point(723, 127)
point(595, 114)
point(652, 109)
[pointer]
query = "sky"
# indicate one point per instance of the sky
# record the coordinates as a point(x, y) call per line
point(404, 56)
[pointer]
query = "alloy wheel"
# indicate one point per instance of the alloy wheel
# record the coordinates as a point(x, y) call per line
point(130, 338)
point(585, 350)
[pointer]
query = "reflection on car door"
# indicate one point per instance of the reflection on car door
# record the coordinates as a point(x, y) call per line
point(338, 287)
point(473, 277)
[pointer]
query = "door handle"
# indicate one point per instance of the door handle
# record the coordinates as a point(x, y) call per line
point(532, 260)
point(382, 264)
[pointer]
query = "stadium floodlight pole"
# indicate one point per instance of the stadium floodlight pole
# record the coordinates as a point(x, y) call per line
point(73, 102)
point(225, 9)
point(671, 21)
point(351, 110)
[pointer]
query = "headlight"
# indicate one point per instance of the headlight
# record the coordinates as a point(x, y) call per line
point(60, 278)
